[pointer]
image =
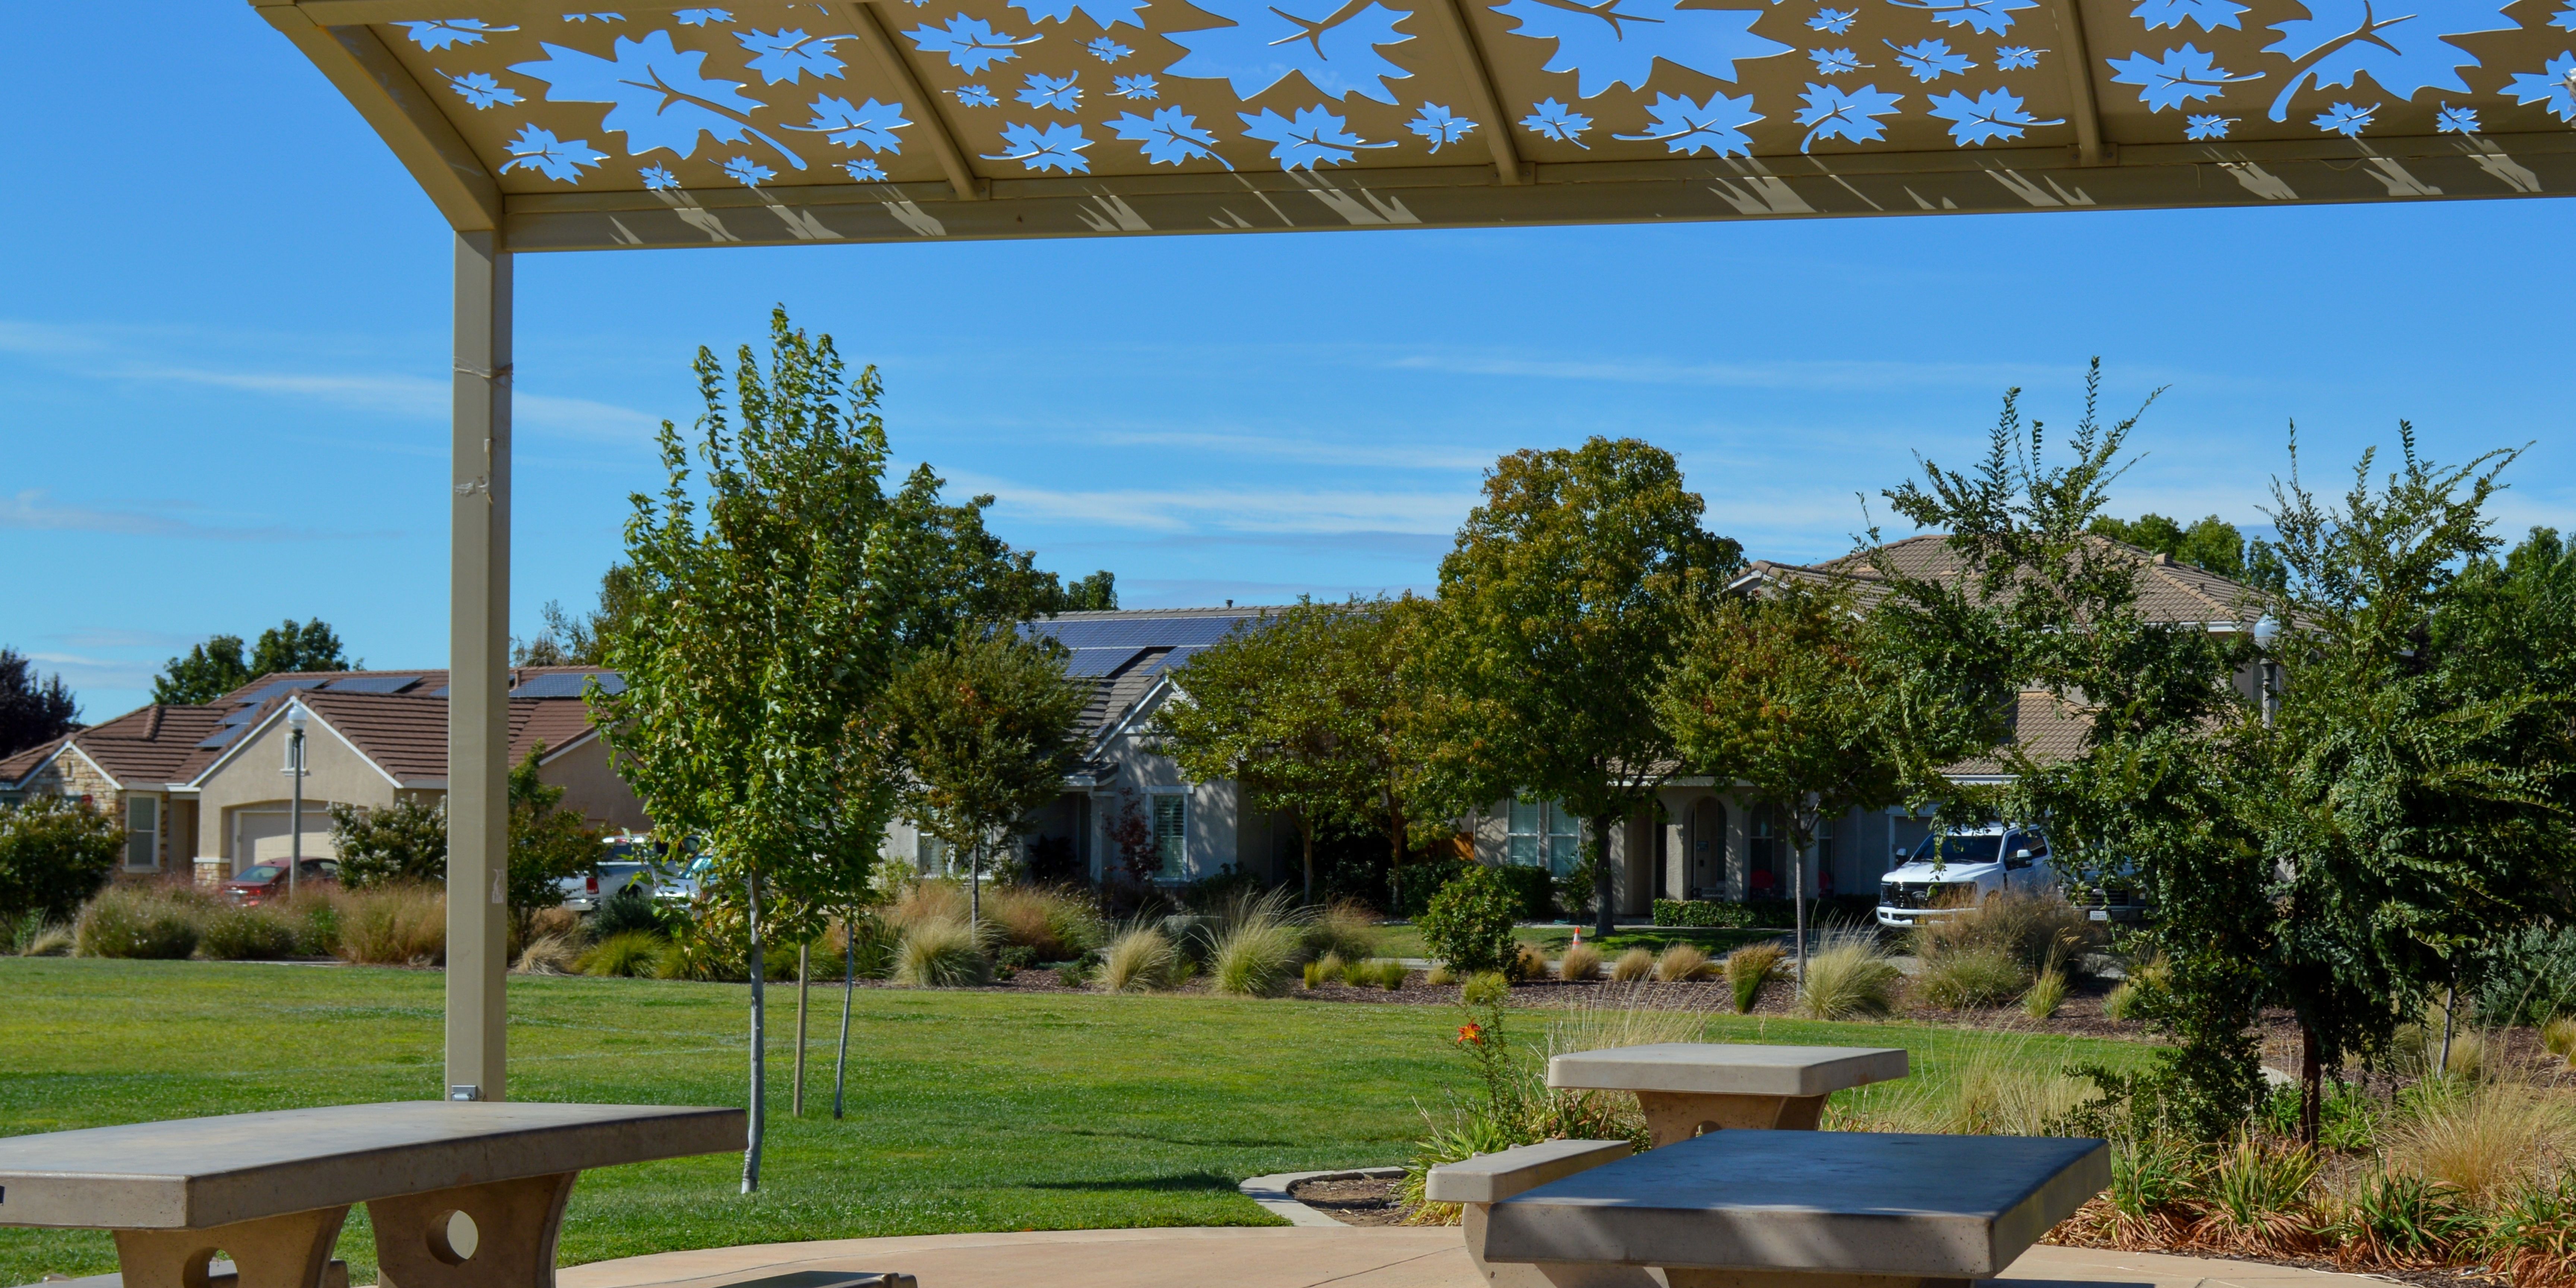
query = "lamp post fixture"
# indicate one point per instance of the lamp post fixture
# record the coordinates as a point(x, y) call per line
point(2266, 630)
point(295, 718)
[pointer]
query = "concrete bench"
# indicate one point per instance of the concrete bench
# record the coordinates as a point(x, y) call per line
point(1751, 1208)
point(1686, 1088)
point(462, 1195)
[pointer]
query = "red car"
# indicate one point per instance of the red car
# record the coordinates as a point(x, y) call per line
point(268, 881)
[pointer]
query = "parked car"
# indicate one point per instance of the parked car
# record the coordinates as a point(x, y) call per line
point(1948, 874)
point(267, 881)
point(624, 861)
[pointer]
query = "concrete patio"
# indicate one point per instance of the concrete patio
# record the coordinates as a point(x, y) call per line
point(1295, 1257)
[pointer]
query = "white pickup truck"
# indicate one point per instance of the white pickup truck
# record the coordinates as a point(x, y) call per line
point(1961, 870)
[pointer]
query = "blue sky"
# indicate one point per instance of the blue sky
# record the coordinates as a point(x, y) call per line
point(223, 358)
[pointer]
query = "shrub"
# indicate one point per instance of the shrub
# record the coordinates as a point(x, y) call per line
point(1342, 928)
point(1976, 975)
point(2046, 994)
point(139, 922)
point(1580, 961)
point(629, 911)
point(1330, 968)
point(940, 954)
point(1389, 973)
point(246, 934)
point(1576, 890)
point(1073, 974)
point(1848, 977)
point(1469, 923)
point(2122, 1003)
point(1707, 914)
point(1682, 962)
point(2481, 1139)
point(557, 954)
point(1633, 965)
point(1533, 891)
point(1749, 968)
point(317, 917)
point(711, 943)
point(634, 954)
point(1251, 958)
point(1440, 976)
point(2036, 931)
point(52, 941)
point(927, 900)
point(1139, 960)
point(404, 843)
point(54, 853)
point(2259, 1190)
point(395, 926)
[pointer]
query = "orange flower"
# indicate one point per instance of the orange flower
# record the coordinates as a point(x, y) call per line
point(1471, 1034)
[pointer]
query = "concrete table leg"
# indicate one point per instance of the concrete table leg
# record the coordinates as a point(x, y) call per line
point(513, 1224)
point(291, 1251)
point(1547, 1274)
point(1677, 1115)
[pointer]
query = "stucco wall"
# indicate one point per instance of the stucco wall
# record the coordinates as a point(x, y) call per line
point(252, 778)
point(592, 786)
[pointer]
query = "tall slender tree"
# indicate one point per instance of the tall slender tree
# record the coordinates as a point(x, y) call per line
point(1568, 589)
point(33, 708)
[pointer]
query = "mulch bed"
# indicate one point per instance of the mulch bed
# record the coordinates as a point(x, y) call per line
point(1367, 1200)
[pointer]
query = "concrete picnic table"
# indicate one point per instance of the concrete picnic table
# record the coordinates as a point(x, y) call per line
point(462, 1195)
point(1768, 1209)
point(1689, 1087)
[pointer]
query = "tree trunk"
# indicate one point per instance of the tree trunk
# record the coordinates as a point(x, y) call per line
point(1801, 839)
point(849, 985)
point(975, 892)
point(1306, 834)
point(1602, 882)
point(1394, 851)
point(759, 1048)
point(796, 1099)
point(2450, 996)
point(2312, 1087)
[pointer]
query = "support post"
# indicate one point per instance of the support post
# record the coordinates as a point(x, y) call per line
point(478, 640)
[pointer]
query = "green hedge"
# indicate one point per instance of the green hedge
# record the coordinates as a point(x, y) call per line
point(1534, 888)
point(1702, 913)
point(1764, 913)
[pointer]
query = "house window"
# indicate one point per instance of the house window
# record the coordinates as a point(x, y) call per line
point(1762, 853)
point(1171, 832)
point(929, 853)
point(1824, 856)
point(142, 834)
point(1542, 834)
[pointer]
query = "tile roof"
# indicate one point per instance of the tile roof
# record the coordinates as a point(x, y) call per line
point(2048, 729)
point(148, 745)
point(407, 735)
point(2167, 591)
point(431, 679)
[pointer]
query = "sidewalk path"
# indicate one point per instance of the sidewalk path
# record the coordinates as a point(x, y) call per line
point(1275, 1257)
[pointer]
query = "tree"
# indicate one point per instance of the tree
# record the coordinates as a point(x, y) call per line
point(1567, 590)
point(984, 730)
point(571, 641)
point(774, 594)
point(2415, 774)
point(1269, 707)
point(1093, 594)
point(402, 843)
point(217, 667)
point(32, 710)
point(2041, 602)
point(2212, 544)
point(55, 853)
point(1782, 690)
point(547, 842)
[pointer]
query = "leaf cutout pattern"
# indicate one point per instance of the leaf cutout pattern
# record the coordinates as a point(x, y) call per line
point(1616, 42)
point(1315, 135)
point(1333, 43)
point(1170, 135)
point(2175, 77)
point(656, 95)
point(1995, 114)
point(1691, 128)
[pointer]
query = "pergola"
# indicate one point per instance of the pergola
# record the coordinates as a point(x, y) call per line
point(768, 122)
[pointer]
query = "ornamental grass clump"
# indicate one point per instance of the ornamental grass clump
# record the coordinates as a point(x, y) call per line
point(1251, 958)
point(553, 954)
point(1972, 975)
point(2482, 1138)
point(1848, 977)
point(1342, 929)
point(1141, 959)
point(632, 954)
point(2046, 994)
point(2558, 1037)
point(1680, 963)
point(260, 933)
point(1054, 925)
point(1633, 965)
point(940, 954)
point(149, 923)
point(1330, 968)
point(396, 925)
point(1579, 962)
point(1748, 968)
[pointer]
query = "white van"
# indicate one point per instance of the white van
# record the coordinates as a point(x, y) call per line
point(1963, 869)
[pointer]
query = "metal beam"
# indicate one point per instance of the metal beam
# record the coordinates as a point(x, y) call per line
point(2081, 105)
point(1460, 33)
point(934, 121)
point(330, 13)
point(478, 674)
point(403, 114)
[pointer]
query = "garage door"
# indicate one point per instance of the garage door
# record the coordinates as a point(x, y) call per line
point(261, 835)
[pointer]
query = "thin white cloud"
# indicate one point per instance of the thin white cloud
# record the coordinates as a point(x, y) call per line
point(1227, 509)
point(33, 510)
point(1309, 451)
point(1738, 375)
point(111, 637)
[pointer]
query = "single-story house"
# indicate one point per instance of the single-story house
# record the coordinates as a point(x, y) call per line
point(205, 789)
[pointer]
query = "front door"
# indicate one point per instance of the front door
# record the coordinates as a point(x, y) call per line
point(1708, 849)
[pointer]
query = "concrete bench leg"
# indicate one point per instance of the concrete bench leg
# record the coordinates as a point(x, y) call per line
point(1677, 1115)
point(291, 1251)
point(1547, 1274)
point(515, 1226)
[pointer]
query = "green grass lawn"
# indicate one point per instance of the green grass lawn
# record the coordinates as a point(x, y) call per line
point(970, 1111)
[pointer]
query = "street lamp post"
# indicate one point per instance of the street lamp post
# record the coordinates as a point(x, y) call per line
point(295, 718)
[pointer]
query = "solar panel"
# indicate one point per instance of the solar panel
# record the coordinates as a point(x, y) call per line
point(267, 691)
point(1091, 663)
point(1144, 632)
point(568, 684)
point(1177, 657)
point(372, 684)
point(240, 714)
point(223, 737)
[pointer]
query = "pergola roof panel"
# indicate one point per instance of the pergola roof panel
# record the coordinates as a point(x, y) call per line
point(886, 119)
